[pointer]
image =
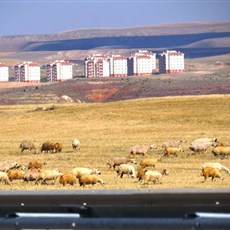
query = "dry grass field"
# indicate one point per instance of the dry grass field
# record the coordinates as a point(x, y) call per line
point(109, 129)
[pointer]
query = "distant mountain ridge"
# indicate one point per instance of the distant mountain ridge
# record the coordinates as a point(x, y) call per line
point(196, 39)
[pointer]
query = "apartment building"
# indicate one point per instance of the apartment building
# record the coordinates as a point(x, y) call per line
point(4, 72)
point(27, 72)
point(118, 66)
point(142, 63)
point(171, 62)
point(59, 70)
point(97, 65)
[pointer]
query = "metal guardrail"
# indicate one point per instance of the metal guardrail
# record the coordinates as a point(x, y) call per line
point(116, 209)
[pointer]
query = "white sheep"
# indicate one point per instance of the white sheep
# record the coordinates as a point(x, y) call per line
point(79, 171)
point(154, 176)
point(141, 149)
point(4, 178)
point(125, 169)
point(76, 144)
point(48, 175)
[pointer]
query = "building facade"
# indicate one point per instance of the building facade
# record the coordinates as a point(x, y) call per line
point(118, 66)
point(27, 72)
point(142, 63)
point(59, 70)
point(171, 62)
point(97, 65)
point(4, 72)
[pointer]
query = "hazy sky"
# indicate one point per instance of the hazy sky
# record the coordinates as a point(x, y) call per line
point(49, 16)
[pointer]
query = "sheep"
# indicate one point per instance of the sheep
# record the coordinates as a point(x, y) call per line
point(125, 169)
point(154, 176)
point(32, 175)
point(172, 151)
point(68, 178)
point(149, 162)
point(35, 164)
point(15, 174)
point(79, 171)
point(4, 178)
point(116, 161)
point(209, 141)
point(141, 149)
point(5, 166)
point(47, 146)
point(141, 174)
point(210, 172)
point(58, 147)
point(48, 175)
point(199, 147)
point(172, 143)
point(222, 151)
point(25, 144)
point(76, 144)
point(216, 165)
point(90, 179)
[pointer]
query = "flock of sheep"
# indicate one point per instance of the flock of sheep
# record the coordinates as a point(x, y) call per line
point(146, 173)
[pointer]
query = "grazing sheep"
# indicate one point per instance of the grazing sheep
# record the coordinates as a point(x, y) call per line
point(125, 169)
point(68, 179)
point(5, 166)
point(172, 143)
point(199, 147)
point(149, 162)
point(15, 174)
point(154, 176)
point(76, 144)
point(209, 141)
point(116, 161)
point(35, 164)
point(58, 147)
point(4, 178)
point(48, 175)
point(210, 172)
point(90, 179)
point(47, 146)
point(172, 151)
point(25, 144)
point(141, 149)
point(79, 171)
point(216, 165)
point(221, 151)
point(141, 174)
point(32, 175)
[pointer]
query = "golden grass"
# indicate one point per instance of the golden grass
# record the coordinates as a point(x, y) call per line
point(109, 129)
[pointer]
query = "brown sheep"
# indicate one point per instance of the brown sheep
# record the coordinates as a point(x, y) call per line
point(141, 174)
point(76, 144)
point(221, 151)
point(58, 147)
point(172, 151)
point(35, 164)
point(90, 179)
point(15, 174)
point(217, 165)
point(149, 162)
point(210, 172)
point(116, 161)
point(31, 175)
point(68, 179)
point(141, 149)
point(4, 178)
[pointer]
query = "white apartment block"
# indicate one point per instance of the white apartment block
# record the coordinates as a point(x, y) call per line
point(97, 65)
point(4, 72)
point(118, 66)
point(59, 70)
point(27, 72)
point(171, 62)
point(142, 63)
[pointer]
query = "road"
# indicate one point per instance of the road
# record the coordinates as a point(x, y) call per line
point(117, 209)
